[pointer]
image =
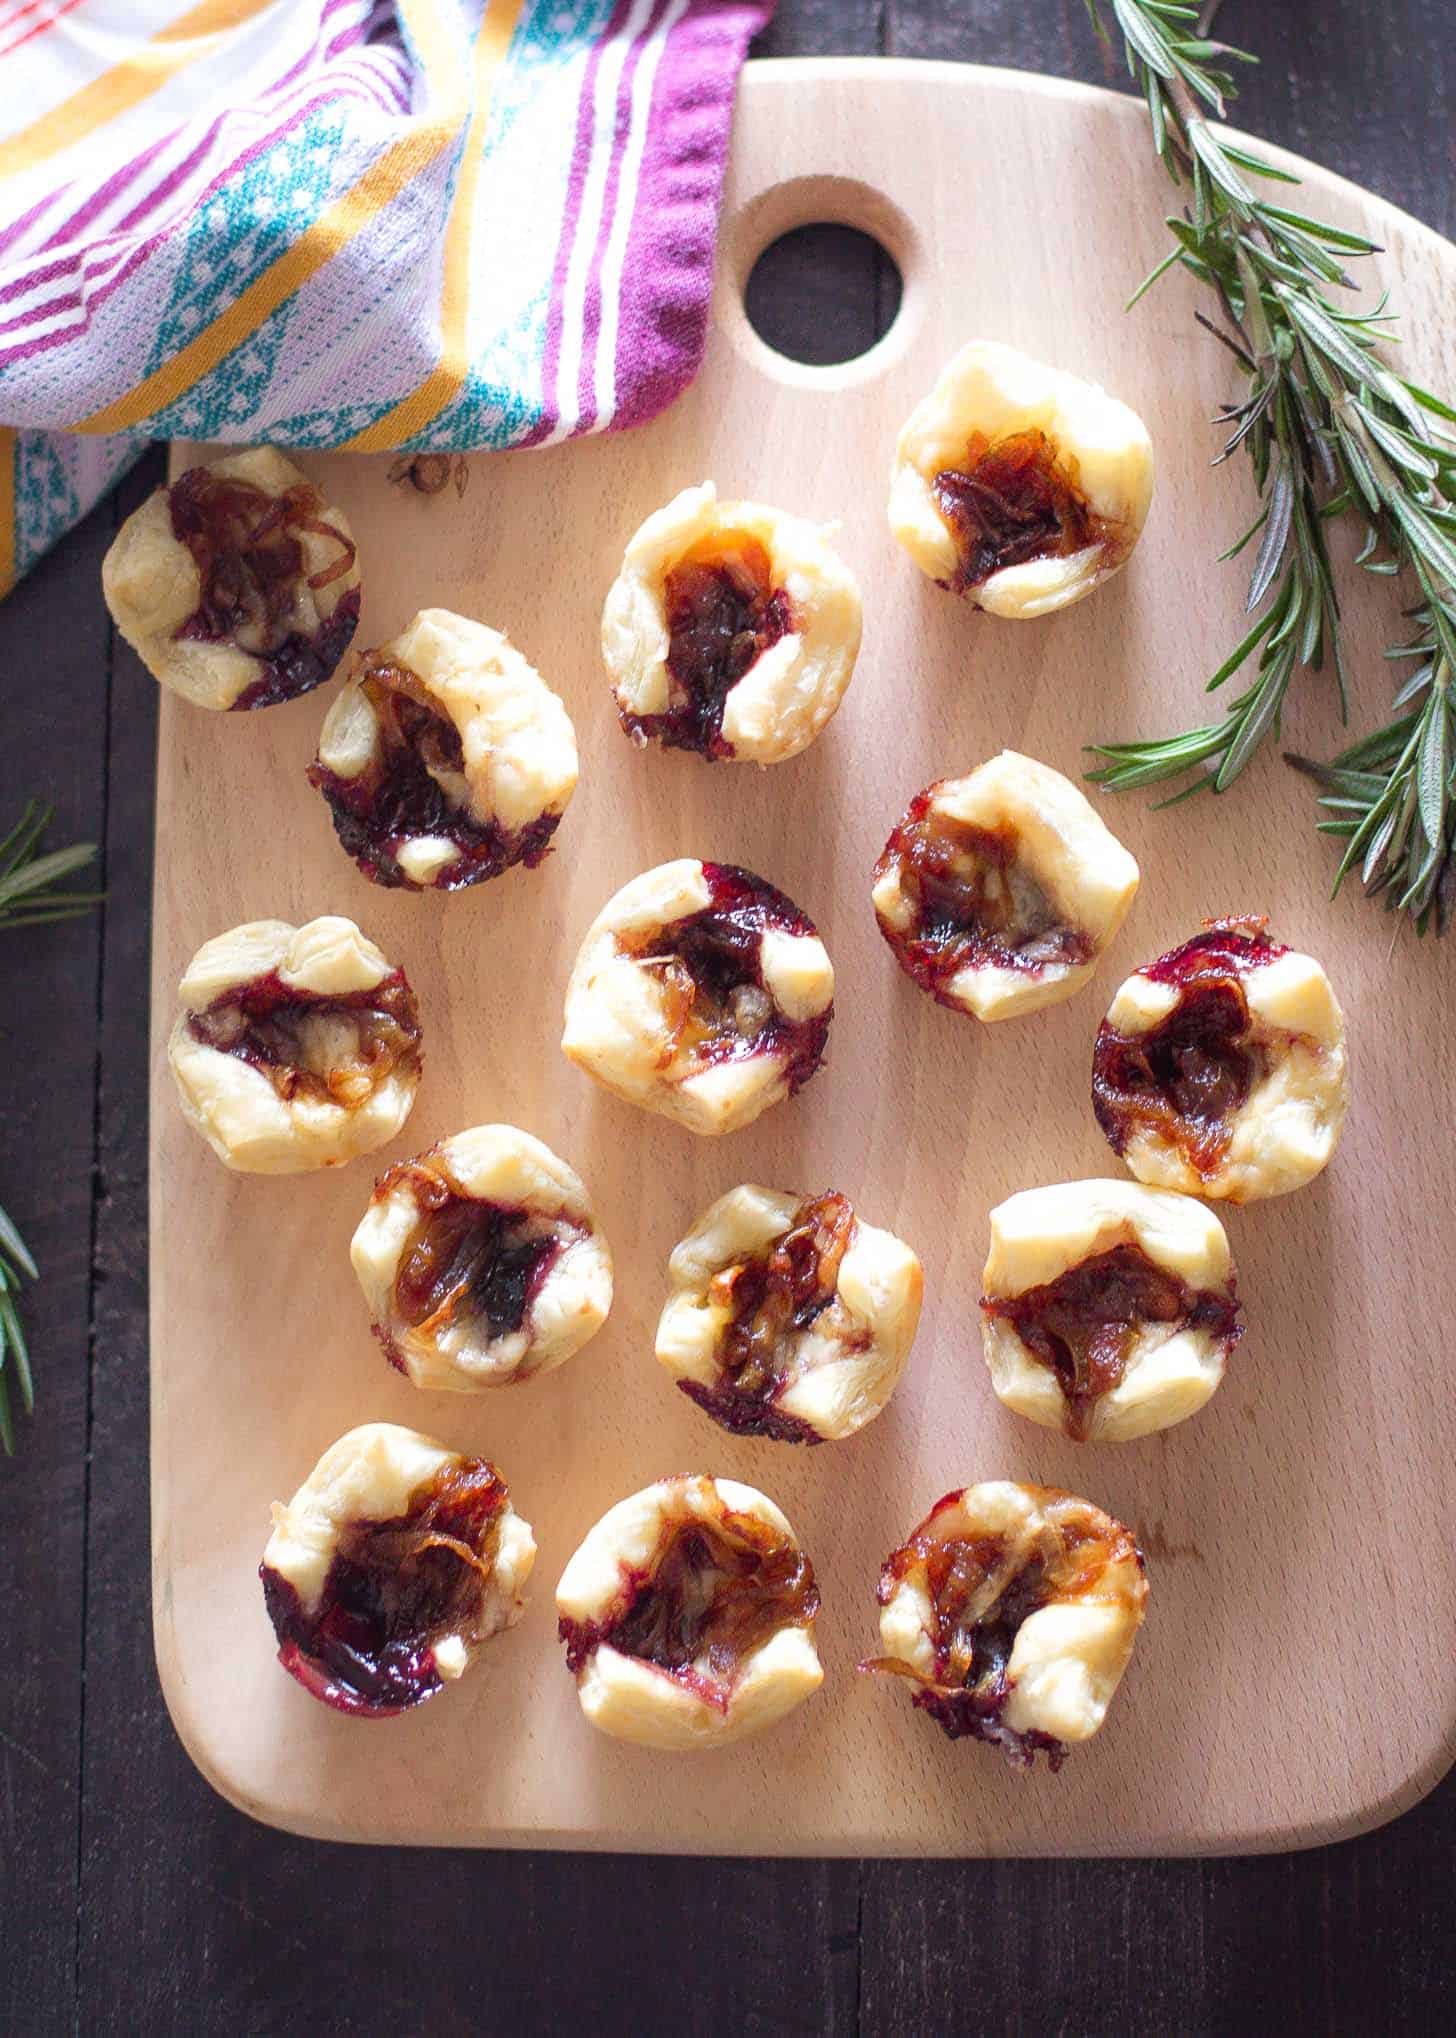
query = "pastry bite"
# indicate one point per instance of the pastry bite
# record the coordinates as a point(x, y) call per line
point(998, 892)
point(238, 586)
point(731, 630)
point(688, 1616)
point(481, 1261)
point(1013, 1610)
point(1109, 1309)
point(445, 758)
point(1018, 485)
point(702, 993)
point(391, 1565)
point(789, 1318)
point(1220, 1069)
point(294, 1047)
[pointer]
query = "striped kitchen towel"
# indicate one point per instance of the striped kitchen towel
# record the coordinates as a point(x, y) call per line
point(447, 224)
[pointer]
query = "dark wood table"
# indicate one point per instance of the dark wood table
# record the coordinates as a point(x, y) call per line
point(135, 1900)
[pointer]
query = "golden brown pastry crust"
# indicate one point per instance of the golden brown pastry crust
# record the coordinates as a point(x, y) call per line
point(1221, 1068)
point(446, 758)
point(481, 1262)
point(1109, 1310)
point(237, 586)
point(1013, 1609)
point(702, 993)
point(420, 1549)
point(294, 1047)
point(733, 1651)
point(998, 892)
point(1019, 485)
point(789, 1317)
point(731, 630)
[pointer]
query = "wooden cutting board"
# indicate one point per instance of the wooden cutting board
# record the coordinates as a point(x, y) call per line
point(1296, 1679)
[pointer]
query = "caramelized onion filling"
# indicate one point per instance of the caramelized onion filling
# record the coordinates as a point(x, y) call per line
point(980, 1593)
point(245, 544)
point(1012, 501)
point(415, 785)
point(1187, 1078)
point(328, 1047)
point(975, 902)
point(773, 1297)
point(710, 967)
point(710, 1596)
point(1084, 1325)
point(468, 1259)
point(723, 612)
point(393, 1590)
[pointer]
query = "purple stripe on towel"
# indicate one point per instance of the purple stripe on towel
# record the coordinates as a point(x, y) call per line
point(621, 128)
point(576, 183)
point(667, 281)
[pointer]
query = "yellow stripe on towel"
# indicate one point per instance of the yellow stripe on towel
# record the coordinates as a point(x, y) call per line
point(348, 215)
point(193, 35)
point(446, 380)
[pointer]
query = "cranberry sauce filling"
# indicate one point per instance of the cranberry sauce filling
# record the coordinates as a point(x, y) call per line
point(1084, 1324)
point(710, 1595)
point(722, 613)
point(393, 1590)
point(267, 1024)
point(486, 1261)
point(245, 544)
point(975, 902)
point(414, 785)
point(711, 966)
point(774, 1297)
point(1187, 1077)
point(1012, 502)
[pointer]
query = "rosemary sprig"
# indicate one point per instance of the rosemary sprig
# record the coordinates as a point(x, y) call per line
point(28, 879)
point(28, 898)
point(1330, 430)
point(15, 1263)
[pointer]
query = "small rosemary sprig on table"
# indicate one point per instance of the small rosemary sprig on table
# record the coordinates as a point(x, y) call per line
point(15, 1263)
point(28, 880)
point(28, 898)
point(1330, 430)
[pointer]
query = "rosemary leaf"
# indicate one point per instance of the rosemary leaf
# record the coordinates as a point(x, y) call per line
point(15, 1264)
point(29, 880)
point(1331, 432)
point(29, 896)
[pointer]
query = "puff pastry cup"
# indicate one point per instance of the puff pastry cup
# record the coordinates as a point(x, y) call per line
point(1220, 1068)
point(238, 586)
point(789, 1318)
point(1109, 1309)
point(1013, 1610)
point(998, 892)
point(446, 758)
point(731, 630)
point(294, 1047)
point(1018, 485)
point(481, 1261)
point(688, 1616)
point(393, 1563)
point(702, 993)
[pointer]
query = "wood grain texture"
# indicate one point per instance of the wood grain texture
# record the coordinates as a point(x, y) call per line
point(48, 988)
point(1246, 1513)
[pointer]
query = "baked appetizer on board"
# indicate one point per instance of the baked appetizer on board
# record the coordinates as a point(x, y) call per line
point(731, 630)
point(237, 586)
point(1018, 485)
point(688, 1616)
point(392, 1565)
